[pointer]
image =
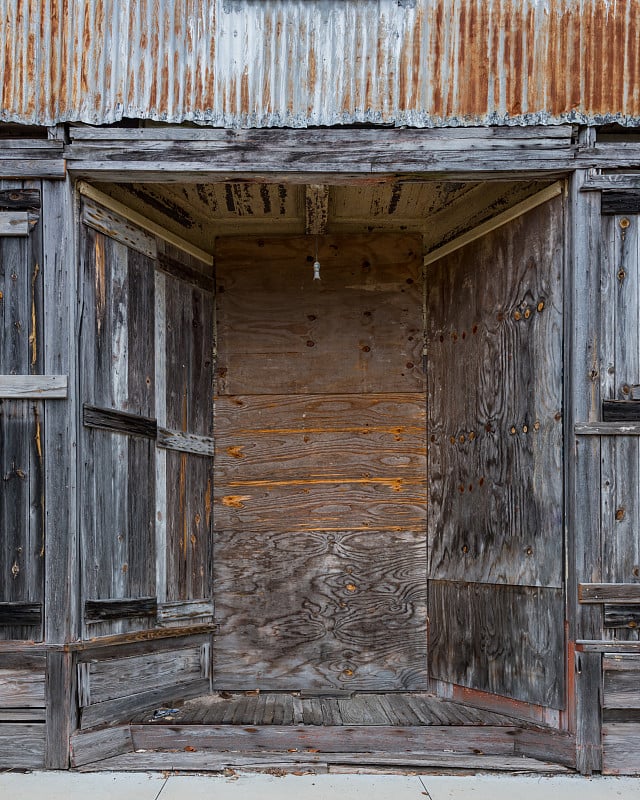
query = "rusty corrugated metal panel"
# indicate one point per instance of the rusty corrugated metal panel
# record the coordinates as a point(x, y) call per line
point(321, 62)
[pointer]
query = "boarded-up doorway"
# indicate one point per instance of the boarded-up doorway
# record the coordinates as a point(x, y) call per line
point(320, 516)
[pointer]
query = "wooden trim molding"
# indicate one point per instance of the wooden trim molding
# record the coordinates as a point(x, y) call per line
point(148, 225)
point(497, 222)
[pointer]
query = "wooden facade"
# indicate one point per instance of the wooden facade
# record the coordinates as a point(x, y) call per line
point(387, 517)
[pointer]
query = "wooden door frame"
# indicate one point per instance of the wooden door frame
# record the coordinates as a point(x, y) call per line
point(288, 156)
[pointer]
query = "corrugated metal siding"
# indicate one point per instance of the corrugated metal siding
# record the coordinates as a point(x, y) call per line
point(261, 63)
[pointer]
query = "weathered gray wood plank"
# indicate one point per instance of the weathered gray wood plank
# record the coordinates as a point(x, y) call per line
point(122, 677)
point(21, 688)
point(618, 593)
point(22, 745)
point(14, 223)
point(621, 748)
point(476, 639)
point(25, 387)
point(185, 442)
point(90, 747)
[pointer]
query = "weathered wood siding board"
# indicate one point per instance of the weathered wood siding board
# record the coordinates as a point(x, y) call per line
point(117, 373)
point(22, 745)
point(188, 360)
point(620, 371)
point(21, 425)
point(621, 748)
point(21, 688)
point(358, 317)
point(320, 546)
point(342, 610)
point(621, 677)
point(122, 677)
point(147, 350)
point(121, 709)
point(320, 436)
point(494, 351)
point(33, 387)
point(501, 639)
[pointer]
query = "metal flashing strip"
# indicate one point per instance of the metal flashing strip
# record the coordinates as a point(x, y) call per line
point(86, 190)
point(497, 222)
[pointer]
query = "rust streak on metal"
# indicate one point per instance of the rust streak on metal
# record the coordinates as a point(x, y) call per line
point(274, 63)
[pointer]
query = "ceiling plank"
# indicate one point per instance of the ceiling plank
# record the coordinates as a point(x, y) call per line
point(316, 205)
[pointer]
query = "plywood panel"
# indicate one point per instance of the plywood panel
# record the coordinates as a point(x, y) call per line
point(356, 327)
point(345, 610)
point(506, 640)
point(320, 465)
point(494, 341)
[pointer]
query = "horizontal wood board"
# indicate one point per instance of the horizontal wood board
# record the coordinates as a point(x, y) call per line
point(507, 640)
point(621, 681)
point(22, 745)
point(621, 748)
point(122, 677)
point(320, 473)
point(22, 434)
point(22, 688)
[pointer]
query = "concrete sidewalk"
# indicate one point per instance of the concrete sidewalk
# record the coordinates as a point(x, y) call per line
point(147, 786)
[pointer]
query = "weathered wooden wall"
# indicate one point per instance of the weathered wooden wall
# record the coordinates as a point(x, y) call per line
point(21, 420)
point(320, 546)
point(614, 437)
point(146, 388)
point(494, 353)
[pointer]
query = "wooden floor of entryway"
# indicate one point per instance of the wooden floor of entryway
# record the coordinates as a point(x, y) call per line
point(282, 708)
point(292, 732)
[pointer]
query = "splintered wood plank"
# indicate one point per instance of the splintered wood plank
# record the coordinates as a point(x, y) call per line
point(324, 609)
point(494, 352)
point(278, 329)
point(473, 643)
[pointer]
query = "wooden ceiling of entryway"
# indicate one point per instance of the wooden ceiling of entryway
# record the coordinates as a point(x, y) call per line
point(440, 211)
